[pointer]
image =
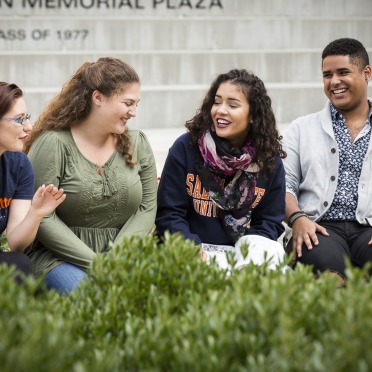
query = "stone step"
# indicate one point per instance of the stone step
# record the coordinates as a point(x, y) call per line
point(170, 106)
point(184, 67)
point(178, 46)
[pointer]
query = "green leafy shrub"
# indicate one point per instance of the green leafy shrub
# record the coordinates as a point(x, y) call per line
point(3, 243)
point(159, 307)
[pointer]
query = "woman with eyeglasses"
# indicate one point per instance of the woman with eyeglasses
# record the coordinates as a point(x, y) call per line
point(20, 209)
point(107, 169)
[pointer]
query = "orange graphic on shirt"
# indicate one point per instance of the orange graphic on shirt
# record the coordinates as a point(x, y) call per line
point(5, 202)
point(202, 203)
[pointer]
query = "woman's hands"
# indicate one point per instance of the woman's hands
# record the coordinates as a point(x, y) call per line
point(47, 199)
point(25, 215)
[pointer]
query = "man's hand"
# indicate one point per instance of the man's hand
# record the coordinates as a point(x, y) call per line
point(304, 231)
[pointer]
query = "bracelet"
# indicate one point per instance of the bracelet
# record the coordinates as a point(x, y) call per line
point(294, 216)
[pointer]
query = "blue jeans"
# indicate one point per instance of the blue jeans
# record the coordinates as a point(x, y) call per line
point(65, 278)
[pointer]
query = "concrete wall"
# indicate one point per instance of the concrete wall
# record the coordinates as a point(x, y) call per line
point(178, 47)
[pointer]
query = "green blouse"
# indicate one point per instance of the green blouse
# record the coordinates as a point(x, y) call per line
point(103, 205)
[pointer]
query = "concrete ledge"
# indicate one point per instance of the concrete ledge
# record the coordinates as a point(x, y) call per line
point(181, 68)
point(92, 54)
point(194, 8)
point(171, 106)
point(224, 33)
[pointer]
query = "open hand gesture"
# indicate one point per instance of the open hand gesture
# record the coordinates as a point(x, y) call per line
point(47, 199)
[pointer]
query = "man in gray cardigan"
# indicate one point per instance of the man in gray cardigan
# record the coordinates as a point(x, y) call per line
point(329, 167)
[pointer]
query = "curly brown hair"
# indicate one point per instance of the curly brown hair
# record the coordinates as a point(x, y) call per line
point(73, 104)
point(263, 130)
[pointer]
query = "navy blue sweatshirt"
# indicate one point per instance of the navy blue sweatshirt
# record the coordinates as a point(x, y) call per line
point(185, 207)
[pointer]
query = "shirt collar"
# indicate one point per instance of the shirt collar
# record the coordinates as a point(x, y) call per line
point(336, 116)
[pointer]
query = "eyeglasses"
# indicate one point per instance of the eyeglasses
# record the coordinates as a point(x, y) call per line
point(18, 120)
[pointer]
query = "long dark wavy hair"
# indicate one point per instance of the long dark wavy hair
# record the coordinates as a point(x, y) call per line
point(74, 103)
point(262, 131)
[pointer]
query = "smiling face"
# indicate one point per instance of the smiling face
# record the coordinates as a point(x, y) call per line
point(231, 114)
point(118, 109)
point(344, 84)
point(13, 135)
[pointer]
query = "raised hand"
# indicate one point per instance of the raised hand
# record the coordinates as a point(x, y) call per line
point(47, 199)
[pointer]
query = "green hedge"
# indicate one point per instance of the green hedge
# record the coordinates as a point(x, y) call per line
point(159, 308)
point(3, 242)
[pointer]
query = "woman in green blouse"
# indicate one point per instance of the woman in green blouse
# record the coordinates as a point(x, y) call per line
point(81, 143)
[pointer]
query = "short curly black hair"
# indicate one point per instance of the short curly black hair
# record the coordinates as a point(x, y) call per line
point(348, 47)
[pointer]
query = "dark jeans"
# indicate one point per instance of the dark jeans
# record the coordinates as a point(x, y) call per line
point(346, 239)
point(19, 260)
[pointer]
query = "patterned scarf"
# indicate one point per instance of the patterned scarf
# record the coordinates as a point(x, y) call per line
point(219, 160)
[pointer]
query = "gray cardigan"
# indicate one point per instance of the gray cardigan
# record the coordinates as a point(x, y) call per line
point(313, 179)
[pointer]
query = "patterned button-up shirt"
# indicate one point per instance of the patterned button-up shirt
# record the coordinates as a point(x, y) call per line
point(352, 154)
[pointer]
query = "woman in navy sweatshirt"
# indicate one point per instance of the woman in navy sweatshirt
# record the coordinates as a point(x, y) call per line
point(224, 180)
point(20, 209)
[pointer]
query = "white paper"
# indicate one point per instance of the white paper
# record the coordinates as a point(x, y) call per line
point(260, 250)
